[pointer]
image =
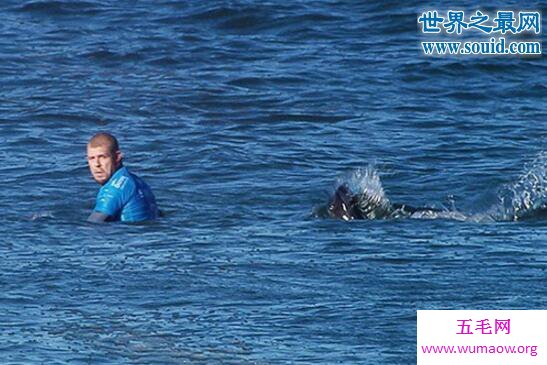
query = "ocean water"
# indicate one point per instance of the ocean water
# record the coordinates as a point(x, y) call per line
point(243, 116)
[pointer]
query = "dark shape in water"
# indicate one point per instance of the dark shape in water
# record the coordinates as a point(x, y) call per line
point(346, 205)
point(343, 204)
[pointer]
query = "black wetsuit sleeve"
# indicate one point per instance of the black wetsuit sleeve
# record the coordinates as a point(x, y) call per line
point(97, 217)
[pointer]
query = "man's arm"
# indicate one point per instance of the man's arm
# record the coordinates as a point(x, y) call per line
point(97, 217)
point(108, 204)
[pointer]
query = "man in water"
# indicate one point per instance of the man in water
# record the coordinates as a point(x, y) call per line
point(123, 196)
point(346, 205)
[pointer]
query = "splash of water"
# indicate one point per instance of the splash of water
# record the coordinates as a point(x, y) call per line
point(526, 197)
point(366, 183)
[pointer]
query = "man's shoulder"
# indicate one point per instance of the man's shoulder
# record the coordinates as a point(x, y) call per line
point(138, 181)
point(122, 180)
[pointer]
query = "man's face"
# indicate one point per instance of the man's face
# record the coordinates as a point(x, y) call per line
point(102, 163)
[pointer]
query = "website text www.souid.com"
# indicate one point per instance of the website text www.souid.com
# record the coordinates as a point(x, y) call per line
point(491, 47)
point(467, 349)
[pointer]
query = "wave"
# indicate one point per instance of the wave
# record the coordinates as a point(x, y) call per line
point(60, 8)
point(42, 215)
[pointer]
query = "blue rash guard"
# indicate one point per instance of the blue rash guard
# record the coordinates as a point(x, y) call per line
point(126, 197)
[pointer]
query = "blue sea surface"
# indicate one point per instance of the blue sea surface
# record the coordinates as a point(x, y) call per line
point(243, 116)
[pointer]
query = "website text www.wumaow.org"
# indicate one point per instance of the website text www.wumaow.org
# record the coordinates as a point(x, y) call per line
point(492, 349)
point(491, 47)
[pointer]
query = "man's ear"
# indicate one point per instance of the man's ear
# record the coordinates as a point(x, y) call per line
point(119, 157)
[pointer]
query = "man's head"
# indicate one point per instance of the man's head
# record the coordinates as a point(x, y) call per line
point(103, 156)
